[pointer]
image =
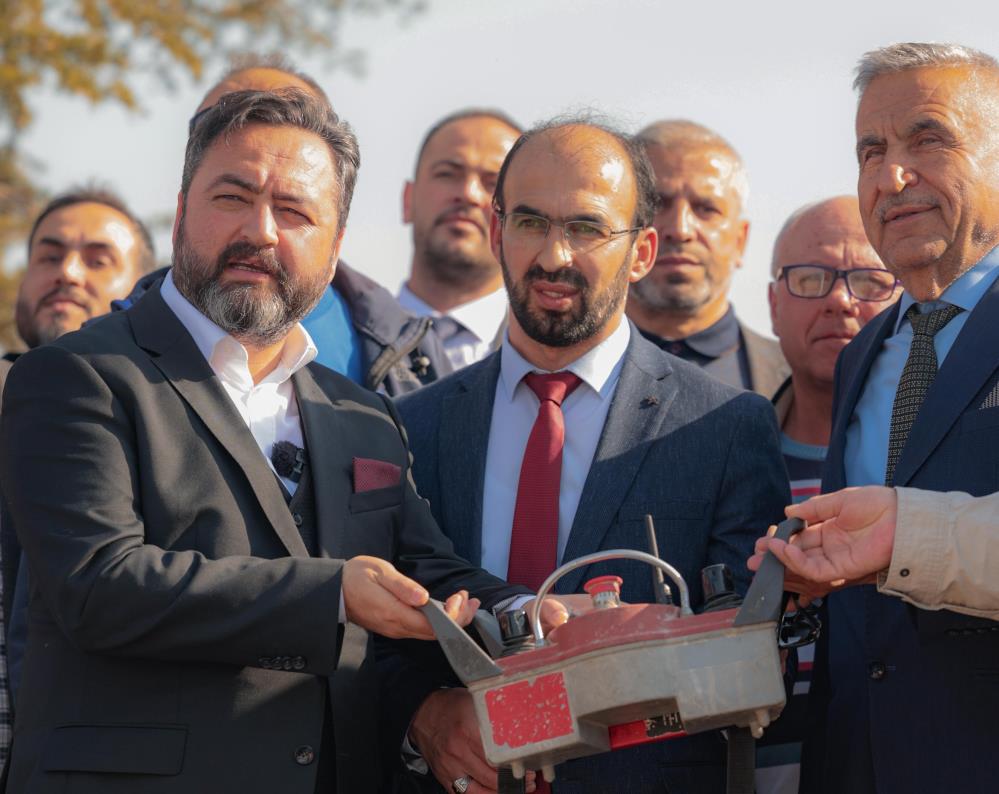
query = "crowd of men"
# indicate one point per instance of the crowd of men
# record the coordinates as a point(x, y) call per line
point(228, 484)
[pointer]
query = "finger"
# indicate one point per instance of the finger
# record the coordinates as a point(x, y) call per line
point(475, 787)
point(553, 613)
point(818, 508)
point(402, 587)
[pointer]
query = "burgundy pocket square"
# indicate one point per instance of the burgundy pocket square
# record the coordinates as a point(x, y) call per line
point(370, 474)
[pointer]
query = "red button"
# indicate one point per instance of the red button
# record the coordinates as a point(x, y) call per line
point(604, 584)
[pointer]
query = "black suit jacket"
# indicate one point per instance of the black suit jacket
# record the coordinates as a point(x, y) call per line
point(703, 458)
point(904, 700)
point(168, 574)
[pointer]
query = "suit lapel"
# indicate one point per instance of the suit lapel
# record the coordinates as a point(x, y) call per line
point(856, 377)
point(331, 467)
point(172, 350)
point(972, 359)
point(638, 412)
point(461, 454)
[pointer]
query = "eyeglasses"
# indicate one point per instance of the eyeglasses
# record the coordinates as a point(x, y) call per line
point(530, 231)
point(816, 281)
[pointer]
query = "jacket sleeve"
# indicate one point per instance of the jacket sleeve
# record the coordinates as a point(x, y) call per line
point(70, 474)
point(946, 552)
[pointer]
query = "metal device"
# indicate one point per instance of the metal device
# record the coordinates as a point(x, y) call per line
point(622, 674)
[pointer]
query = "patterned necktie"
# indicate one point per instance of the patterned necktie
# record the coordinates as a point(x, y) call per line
point(917, 376)
point(534, 541)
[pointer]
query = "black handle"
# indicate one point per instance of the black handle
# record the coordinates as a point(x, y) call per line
point(765, 598)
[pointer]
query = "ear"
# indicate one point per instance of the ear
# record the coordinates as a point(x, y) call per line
point(407, 202)
point(177, 216)
point(742, 240)
point(645, 247)
point(495, 230)
point(772, 300)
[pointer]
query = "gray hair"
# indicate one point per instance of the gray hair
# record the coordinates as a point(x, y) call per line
point(681, 133)
point(918, 55)
point(288, 107)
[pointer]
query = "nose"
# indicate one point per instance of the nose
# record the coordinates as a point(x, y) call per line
point(676, 222)
point(839, 298)
point(474, 192)
point(896, 177)
point(260, 227)
point(555, 252)
point(73, 270)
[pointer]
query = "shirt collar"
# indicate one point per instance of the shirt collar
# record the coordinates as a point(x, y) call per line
point(482, 316)
point(965, 292)
point(224, 354)
point(716, 339)
point(598, 368)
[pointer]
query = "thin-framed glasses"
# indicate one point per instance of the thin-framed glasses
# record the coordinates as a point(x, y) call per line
point(530, 231)
point(816, 281)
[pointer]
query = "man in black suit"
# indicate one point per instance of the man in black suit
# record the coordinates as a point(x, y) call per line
point(643, 432)
point(905, 698)
point(208, 517)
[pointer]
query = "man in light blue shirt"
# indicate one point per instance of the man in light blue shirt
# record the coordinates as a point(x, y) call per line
point(917, 405)
point(641, 432)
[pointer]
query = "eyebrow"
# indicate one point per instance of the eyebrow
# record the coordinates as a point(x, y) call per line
point(867, 141)
point(922, 125)
point(256, 190)
point(525, 209)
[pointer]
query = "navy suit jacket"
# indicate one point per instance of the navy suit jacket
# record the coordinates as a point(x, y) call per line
point(904, 700)
point(703, 458)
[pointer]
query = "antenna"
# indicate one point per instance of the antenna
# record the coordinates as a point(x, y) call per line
point(659, 586)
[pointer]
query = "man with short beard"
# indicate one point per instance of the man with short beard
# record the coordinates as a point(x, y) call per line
point(213, 522)
point(683, 304)
point(454, 276)
point(558, 444)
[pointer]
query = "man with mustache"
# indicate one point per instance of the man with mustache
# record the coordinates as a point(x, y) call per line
point(683, 305)
point(904, 698)
point(214, 523)
point(827, 284)
point(85, 249)
point(454, 277)
point(558, 444)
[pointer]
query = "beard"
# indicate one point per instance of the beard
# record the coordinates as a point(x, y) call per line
point(674, 293)
point(35, 330)
point(452, 264)
point(564, 329)
point(255, 314)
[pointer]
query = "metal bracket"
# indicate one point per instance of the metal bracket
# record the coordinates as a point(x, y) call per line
point(467, 659)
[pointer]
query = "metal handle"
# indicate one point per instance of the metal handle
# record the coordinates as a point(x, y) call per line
point(602, 556)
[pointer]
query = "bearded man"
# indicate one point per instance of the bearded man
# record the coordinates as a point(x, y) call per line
point(208, 516)
point(559, 443)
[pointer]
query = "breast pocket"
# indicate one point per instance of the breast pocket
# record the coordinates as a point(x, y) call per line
point(375, 499)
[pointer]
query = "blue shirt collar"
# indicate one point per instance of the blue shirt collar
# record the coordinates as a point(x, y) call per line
point(965, 292)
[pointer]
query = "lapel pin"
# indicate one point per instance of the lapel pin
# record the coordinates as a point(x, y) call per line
point(650, 401)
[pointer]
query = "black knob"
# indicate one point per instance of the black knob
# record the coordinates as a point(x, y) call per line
point(515, 629)
point(719, 588)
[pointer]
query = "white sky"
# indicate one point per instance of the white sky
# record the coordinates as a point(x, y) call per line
point(772, 77)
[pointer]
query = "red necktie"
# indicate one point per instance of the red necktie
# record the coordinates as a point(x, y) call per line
point(534, 541)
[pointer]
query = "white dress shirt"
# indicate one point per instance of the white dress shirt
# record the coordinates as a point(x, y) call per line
point(478, 324)
point(269, 408)
point(515, 409)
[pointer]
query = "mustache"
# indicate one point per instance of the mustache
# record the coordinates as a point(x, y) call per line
point(901, 199)
point(263, 258)
point(65, 293)
point(564, 275)
point(465, 213)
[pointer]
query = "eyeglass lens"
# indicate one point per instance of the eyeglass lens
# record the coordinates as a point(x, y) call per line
point(527, 229)
point(816, 281)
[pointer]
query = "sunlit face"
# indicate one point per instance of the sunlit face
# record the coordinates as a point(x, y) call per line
point(929, 171)
point(813, 331)
point(702, 235)
point(256, 242)
point(559, 296)
point(449, 200)
point(82, 257)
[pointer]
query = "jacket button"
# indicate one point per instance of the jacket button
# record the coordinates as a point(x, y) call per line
point(297, 518)
point(877, 670)
point(305, 755)
point(298, 662)
point(265, 662)
point(286, 663)
point(904, 572)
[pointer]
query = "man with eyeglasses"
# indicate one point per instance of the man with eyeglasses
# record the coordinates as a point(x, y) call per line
point(904, 699)
point(683, 304)
point(561, 442)
point(828, 283)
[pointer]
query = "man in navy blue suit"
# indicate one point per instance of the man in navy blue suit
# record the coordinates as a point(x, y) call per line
point(905, 698)
point(640, 431)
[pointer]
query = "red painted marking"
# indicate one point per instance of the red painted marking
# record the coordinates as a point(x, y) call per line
point(628, 734)
point(525, 713)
